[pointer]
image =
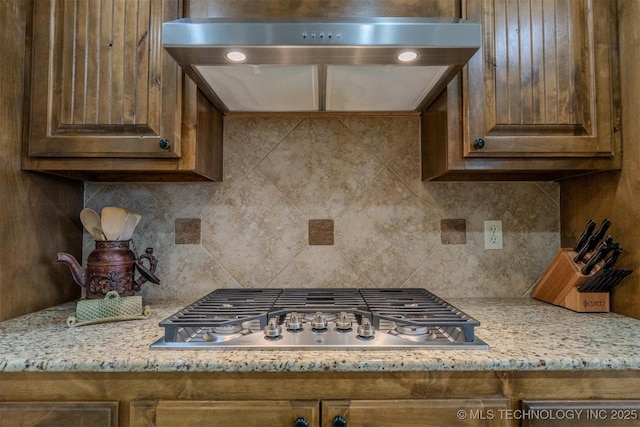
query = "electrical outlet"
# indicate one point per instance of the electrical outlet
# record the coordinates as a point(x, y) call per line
point(493, 234)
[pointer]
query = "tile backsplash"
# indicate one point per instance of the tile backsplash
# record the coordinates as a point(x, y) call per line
point(390, 229)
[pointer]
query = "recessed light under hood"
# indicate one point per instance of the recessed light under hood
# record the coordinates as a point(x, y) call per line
point(350, 65)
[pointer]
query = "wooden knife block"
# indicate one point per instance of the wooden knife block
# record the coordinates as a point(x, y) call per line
point(559, 286)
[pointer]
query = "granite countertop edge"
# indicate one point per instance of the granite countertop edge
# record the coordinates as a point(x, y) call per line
point(523, 335)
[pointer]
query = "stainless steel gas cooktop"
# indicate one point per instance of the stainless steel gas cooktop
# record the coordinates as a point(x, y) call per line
point(344, 318)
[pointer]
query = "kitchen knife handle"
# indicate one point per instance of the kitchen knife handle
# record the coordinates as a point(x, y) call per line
point(584, 237)
point(593, 241)
point(584, 251)
point(593, 261)
point(601, 253)
point(610, 262)
point(600, 233)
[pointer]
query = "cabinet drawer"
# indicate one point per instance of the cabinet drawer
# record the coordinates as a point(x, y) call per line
point(582, 413)
point(59, 414)
point(219, 413)
point(418, 413)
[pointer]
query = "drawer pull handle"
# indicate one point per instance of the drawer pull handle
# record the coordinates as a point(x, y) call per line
point(338, 421)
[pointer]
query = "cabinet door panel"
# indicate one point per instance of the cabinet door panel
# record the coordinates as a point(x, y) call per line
point(59, 414)
point(419, 413)
point(582, 413)
point(542, 83)
point(101, 84)
point(235, 413)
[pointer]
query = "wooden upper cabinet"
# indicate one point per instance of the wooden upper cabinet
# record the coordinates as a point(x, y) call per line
point(101, 83)
point(107, 103)
point(540, 100)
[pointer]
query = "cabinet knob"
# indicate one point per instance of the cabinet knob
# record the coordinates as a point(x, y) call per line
point(338, 421)
point(300, 422)
point(478, 143)
point(164, 143)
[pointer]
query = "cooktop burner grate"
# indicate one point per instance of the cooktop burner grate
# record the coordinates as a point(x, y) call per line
point(418, 307)
point(241, 318)
point(223, 307)
point(346, 299)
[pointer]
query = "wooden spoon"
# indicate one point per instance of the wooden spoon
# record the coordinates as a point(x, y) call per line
point(91, 221)
point(113, 219)
point(129, 225)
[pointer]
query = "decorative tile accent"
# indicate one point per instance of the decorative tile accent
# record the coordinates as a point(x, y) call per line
point(321, 232)
point(187, 231)
point(453, 231)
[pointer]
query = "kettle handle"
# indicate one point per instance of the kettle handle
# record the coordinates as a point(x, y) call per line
point(146, 274)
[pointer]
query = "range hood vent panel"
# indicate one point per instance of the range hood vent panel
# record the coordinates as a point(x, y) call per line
point(379, 88)
point(264, 87)
point(321, 65)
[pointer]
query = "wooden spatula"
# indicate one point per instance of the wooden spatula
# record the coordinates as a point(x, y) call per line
point(113, 220)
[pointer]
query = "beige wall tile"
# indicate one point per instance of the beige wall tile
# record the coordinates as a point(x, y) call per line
point(361, 172)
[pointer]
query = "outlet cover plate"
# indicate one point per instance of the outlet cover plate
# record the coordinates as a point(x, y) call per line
point(493, 234)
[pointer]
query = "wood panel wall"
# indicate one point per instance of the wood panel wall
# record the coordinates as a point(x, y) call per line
point(38, 214)
point(323, 8)
point(615, 195)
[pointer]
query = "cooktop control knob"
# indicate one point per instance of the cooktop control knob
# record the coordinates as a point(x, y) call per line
point(339, 421)
point(293, 322)
point(319, 321)
point(365, 329)
point(300, 422)
point(273, 330)
point(343, 322)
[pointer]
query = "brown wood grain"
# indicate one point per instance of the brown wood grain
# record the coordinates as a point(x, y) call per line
point(114, 93)
point(59, 414)
point(418, 413)
point(530, 94)
point(520, 61)
point(38, 215)
point(614, 195)
point(255, 413)
point(105, 78)
point(140, 393)
point(323, 8)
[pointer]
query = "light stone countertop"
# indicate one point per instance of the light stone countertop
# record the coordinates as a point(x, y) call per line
point(522, 335)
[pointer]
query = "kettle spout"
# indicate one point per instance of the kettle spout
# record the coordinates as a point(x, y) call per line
point(79, 274)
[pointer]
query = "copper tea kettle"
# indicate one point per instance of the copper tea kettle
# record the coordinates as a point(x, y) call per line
point(112, 264)
point(111, 267)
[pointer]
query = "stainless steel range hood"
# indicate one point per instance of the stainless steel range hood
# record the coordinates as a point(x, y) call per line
point(350, 65)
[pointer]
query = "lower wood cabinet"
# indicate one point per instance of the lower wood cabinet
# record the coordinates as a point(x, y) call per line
point(247, 413)
point(320, 399)
point(59, 414)
point(418, 413)
point(582, 413)
point(331, 413)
